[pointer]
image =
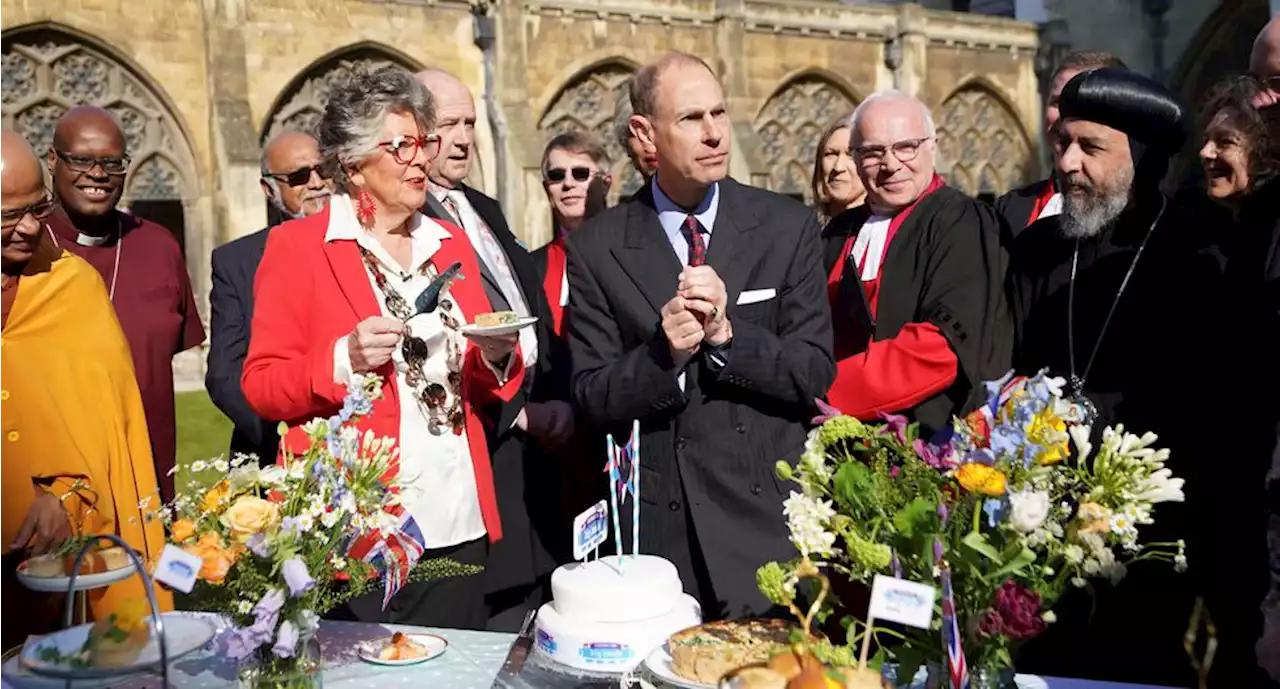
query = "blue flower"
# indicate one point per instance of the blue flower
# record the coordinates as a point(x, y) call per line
point(297, 577)
point(258, 545)
point(239, 643)
point(286, 640)
point(1007, 440)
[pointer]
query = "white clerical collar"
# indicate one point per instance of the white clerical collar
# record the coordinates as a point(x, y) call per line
point(89, 240)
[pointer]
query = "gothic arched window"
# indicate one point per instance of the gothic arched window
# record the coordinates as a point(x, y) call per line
point(46, 72)
point(981, 146)
point(788, 128)
point(588, 104)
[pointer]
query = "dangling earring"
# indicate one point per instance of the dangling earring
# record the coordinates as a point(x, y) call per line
point(366, 208)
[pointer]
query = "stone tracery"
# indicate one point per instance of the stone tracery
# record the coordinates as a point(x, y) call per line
point(788, 128)
point(981, 146)
point(588, 104)
point(47, 72)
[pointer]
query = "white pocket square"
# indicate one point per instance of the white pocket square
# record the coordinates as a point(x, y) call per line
point(755, 296)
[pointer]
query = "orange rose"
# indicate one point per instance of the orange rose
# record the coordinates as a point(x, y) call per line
point(182, 530)
point(216, 559)
point(980, 478)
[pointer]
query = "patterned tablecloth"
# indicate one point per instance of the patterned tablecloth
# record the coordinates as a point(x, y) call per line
point(471, 662)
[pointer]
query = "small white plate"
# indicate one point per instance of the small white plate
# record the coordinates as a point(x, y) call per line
point(435, 645)
point(84, 582)
point(183, 634)
point(659, 663)
point(493, 330)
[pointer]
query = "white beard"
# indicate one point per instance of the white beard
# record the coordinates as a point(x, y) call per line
point(1085, 217)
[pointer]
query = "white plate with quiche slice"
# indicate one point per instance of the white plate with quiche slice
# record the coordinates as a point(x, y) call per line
point(659, 663)
point(403, 649)
point(497, 324)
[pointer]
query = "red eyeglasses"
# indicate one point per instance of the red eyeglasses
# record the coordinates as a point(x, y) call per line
point(405, 148)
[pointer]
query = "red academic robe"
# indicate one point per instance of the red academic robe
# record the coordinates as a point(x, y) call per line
point(946, 310)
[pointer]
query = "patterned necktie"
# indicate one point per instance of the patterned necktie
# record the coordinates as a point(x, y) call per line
point(452, 207)
point(697, 247)
point(491, 251)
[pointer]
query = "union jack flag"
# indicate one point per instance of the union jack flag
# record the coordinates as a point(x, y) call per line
point(393, 555)
point(957, 669)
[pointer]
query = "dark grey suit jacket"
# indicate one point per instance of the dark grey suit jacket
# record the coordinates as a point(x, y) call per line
point(709, 450)
point(235, 264)
point(532, 526)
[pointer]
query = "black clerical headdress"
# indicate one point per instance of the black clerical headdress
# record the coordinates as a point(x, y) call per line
point(1156, 122)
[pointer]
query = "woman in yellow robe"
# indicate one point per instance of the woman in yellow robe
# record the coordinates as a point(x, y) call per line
point(73, 423)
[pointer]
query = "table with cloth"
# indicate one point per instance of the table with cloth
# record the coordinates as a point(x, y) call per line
point(472, 661)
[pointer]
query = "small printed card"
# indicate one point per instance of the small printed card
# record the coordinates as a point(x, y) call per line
point(177, 569)
point(590, 529)
point(902, 601)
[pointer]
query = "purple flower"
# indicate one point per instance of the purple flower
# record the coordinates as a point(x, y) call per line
point(238, 644)
point(258, 545)
point(297, 577)
point(289, 525)
point(941, 458)
point(261, 631)
point(897, 424)
point(826, 412)
point(893, 472)
point(895, 565)
point(286, 640)
point(265, 615)
point(943, 512)
point(937, 551)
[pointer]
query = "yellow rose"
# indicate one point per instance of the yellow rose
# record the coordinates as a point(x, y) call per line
point(1049, 431)
point(980, 478)
point(182, 530)
point(249, 515)
point(214, 498)
point(215, 558)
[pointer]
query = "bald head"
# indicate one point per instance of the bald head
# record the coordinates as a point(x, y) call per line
point(1265, 60)
point(88, 166)
point(455, 124)
point(20, 172)
point(23, 201)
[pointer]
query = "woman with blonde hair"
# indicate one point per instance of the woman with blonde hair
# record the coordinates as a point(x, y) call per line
point(836, 186)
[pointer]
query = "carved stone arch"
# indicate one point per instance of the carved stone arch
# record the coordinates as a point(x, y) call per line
point(589, 103)
point(789, 124)
point(982, 147)
point(48, 69)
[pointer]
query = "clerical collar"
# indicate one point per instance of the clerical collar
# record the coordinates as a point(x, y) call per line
point(89, 240)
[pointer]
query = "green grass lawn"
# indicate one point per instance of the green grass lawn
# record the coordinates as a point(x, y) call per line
point(204, 433)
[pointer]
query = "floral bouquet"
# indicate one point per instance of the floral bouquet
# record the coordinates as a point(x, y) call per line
point(281, 545)
point(997, 509)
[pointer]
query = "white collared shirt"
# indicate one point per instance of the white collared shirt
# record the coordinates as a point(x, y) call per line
point(868, 248)
point(672, 218)
point(435, 470)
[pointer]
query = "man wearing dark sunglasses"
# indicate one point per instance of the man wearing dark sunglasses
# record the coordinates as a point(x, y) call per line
point(295, 187)
point(140, 261)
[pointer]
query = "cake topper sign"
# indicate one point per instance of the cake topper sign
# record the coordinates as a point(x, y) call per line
point(625, 461)
point(590, 529)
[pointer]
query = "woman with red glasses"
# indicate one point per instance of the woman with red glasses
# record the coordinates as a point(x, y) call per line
point(373, 287)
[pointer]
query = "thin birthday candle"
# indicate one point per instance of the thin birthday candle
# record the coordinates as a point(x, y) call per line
point(613, 497)
point(635, 477)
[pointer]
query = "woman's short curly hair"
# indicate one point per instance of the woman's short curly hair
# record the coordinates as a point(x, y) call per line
point(355, 116)
point(1232, 100)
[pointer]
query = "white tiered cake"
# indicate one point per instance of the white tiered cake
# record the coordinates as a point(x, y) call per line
point(608, 614)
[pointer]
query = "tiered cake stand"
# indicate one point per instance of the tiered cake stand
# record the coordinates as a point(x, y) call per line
point(70, 638)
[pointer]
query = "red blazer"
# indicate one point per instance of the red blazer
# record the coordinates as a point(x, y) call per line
point(309, 293)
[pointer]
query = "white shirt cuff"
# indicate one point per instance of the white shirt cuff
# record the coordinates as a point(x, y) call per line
point(342, 372)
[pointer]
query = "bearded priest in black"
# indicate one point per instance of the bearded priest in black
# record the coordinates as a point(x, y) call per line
point(1108, 296)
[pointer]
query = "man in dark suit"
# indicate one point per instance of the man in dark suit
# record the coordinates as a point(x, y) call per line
point(294, 186)
point(1022, 207)
point(700, 309)
point(534, 534)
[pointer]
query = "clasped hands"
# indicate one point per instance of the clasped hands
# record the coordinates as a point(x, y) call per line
point(375, 338)
point(696, 314)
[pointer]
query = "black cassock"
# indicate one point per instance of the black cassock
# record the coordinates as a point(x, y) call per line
point(1155, 371)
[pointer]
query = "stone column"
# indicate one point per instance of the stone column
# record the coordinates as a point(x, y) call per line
point(730, 37)
point(907, 52)
point(524, 146)
point(238, 204)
